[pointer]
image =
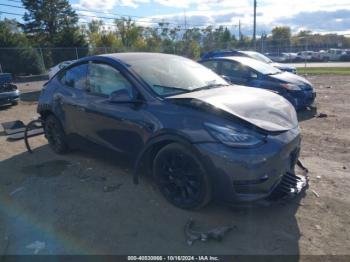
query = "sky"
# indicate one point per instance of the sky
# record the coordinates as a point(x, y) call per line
point(320, 16)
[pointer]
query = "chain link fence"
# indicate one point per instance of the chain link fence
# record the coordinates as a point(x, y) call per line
point(34, 61)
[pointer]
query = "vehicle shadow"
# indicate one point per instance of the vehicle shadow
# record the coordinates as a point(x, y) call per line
point(30, 96)
point(307, 114)
point(58, 200)
point(5, 107)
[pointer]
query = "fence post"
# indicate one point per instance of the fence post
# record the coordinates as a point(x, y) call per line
point(76, 53)
point(42, 58)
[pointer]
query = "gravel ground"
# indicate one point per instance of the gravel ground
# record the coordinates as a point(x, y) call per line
point(52, 204)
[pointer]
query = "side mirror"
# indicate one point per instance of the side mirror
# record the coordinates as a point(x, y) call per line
point(124, 96)
point(121, 96)
point(226, 78)
point(253, 76)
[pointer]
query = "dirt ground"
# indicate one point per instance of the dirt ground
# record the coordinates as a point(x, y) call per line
point(51, 204)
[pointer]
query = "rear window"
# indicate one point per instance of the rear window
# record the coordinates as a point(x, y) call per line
point(74, 77)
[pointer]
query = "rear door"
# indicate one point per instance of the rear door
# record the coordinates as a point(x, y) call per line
point(71, 98)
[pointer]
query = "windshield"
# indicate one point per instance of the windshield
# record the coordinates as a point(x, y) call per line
point(168, 75)
point(261, 67)
point(259, 57)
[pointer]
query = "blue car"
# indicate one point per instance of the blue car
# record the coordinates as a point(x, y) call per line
point(252, 54)
point(249, 72)
point(200, 137)
point(9, 94)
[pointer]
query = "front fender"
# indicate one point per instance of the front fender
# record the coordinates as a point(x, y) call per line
point(156, 142)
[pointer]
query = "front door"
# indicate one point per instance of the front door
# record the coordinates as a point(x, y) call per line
point(119, 126)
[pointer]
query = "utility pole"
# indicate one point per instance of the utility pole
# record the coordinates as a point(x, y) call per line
point(185, 23)
point(239, 31)
point(254, 29)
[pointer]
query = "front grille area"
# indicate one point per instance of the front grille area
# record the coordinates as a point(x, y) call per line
point(289, 186)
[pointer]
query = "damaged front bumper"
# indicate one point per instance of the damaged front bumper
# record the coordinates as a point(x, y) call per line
point(302, 99)
point(246, 175)
point(8, 96)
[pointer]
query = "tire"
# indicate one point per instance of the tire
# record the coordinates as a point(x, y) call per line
point(55, 135)
point(181, 177)
point(14, 103)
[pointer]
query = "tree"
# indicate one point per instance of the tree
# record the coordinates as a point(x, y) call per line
point(281, 36)
point(47, 18)
point(17, 56)
point(128, 32)
point(53, 23)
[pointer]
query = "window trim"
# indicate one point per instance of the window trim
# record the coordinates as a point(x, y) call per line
point(64, 71)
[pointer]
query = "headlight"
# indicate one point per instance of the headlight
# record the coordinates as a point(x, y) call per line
point(235, 136)
point(291, 87)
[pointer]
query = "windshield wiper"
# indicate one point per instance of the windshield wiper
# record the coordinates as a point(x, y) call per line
point(171, 87)
point(178, 90)
point(209, 87)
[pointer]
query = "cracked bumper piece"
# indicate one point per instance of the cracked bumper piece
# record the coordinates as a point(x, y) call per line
point(240, 175)
point(9, 97)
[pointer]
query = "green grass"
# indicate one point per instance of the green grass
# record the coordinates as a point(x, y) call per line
point(324, 70)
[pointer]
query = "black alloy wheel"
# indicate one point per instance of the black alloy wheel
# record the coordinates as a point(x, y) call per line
point(55, 135)
point(181, 177)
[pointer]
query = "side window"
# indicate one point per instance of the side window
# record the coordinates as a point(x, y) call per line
point(104, 79)
point(75, 77)
point(234, 69)
point(213, 65)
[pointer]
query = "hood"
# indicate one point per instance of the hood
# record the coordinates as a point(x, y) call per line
point(259, 107)
point(292, 78)
point(283, 67)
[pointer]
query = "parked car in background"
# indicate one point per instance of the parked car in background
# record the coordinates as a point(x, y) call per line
point(262, 58)
point(9, 93)
point(58, 67)
point(277, 57)
point(334, 54)
point(321, 56)
point(305, 56)
point(252, 54)
point(345, 56)
point(199, 136)
point(249, 72)
point(289, 57)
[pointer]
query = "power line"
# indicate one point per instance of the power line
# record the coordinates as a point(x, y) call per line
point(108, 24)
point(161, 20)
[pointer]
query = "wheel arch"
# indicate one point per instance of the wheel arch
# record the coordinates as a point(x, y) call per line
point(144, 160)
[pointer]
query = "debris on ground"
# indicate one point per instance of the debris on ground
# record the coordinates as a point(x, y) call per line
point(111, 188)
point(321, 115)
point(16, 190)
point(84, 177)
point(318, 177)
point(216, 234)
point(318, 227)
point(5, 247)
point(37, 246)
point(315, 193)
point(99, 178)
point(328, 86)
point(47, 169)
point(344, 167)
